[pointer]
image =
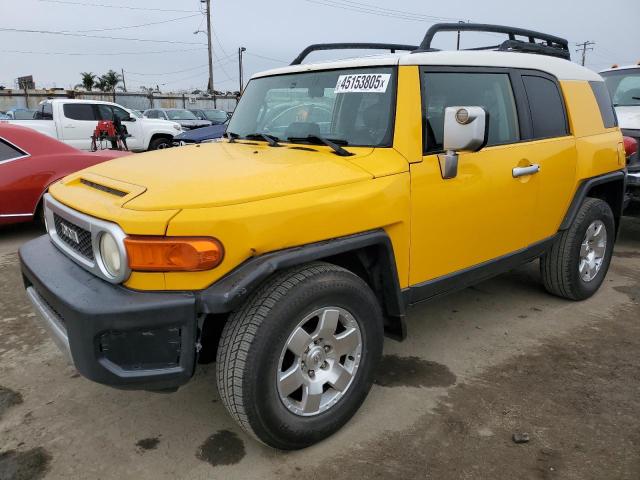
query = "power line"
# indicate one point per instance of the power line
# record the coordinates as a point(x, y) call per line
point(110, 54)
point(102, 5)
point(279, 60)
point(217, 62)
point(133, 26)
point(392, 11)
point(54, 32)
point(380, 11)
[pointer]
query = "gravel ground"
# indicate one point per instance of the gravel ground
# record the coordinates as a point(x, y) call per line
point(479, 366)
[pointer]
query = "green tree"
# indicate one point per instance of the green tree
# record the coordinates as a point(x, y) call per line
point(110, 81)
point(88, 81)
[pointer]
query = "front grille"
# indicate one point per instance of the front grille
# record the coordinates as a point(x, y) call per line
point(69, 233)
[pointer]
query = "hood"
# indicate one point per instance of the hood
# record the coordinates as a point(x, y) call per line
point(200, 134)
point(629, 117)
point(222, 173)
point(193, 123)
point(158, 122)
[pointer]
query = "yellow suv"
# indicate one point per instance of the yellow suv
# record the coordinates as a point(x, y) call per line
point(344, 193)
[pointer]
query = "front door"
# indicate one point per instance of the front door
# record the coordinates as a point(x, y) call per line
point(134, 129)
point(484, 213)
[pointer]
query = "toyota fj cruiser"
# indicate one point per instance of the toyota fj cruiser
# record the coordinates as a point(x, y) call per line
point(344, 193)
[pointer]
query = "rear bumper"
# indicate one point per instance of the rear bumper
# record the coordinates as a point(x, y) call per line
point(113, 335)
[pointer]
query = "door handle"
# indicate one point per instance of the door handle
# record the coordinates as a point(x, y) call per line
point(69, 126)
point(523, 171)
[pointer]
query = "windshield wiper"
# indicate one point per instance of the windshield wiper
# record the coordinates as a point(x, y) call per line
point(231, 136)
point(272, 140)
point(333, 143)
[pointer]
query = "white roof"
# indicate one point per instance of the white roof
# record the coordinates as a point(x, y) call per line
point(559, 68)
point(76, 100)
point(623, 67)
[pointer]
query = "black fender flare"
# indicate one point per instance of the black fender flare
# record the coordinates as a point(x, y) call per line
point(583, 191)
point(228, 293)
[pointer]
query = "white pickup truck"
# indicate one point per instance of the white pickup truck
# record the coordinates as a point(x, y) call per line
point(73, 122)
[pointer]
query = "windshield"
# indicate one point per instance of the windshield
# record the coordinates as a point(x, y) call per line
point(354, 106)
point(624, 87)
point(219, 116)
point(23, 114)
point(180, 115)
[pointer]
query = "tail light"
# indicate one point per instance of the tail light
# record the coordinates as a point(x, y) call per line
point(630, 146)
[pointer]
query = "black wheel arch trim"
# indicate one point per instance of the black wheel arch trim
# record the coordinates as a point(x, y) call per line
point(583, 192)
point(228, 293)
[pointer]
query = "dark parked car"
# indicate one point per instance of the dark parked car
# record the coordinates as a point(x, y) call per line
point(180, 115)
point(200, 135)
point(217, 117)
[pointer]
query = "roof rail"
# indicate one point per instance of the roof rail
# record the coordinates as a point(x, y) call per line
point(536, 42)
point(351, 46)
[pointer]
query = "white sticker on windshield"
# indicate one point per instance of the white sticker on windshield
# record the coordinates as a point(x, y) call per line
point(363, 83)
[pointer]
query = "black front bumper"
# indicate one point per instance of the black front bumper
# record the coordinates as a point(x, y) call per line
point(114, 336)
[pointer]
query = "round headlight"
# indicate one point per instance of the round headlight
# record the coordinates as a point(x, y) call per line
point(110, 254)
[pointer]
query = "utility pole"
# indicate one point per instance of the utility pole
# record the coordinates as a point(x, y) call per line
point(240, 51)
point(584, 47)
point(124, 83)
point(210, 86)
point(458, 43)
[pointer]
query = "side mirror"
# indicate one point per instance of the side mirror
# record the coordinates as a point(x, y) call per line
point(130, 119)
point(465, 130)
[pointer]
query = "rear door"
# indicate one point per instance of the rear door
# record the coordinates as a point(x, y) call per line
point(552, 147)
point(79, 120)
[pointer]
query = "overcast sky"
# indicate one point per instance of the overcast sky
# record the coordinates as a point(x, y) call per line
point(272, 31)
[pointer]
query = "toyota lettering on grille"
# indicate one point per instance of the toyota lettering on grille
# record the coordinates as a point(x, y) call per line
point(69, 232)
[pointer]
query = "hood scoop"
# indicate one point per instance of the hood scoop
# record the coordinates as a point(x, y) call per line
point(103, 188)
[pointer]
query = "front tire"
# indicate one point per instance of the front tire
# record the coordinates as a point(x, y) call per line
point(578, 261)
point(160, 143)
point(297, 360)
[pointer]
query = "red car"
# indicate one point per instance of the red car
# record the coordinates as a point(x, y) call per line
point(29, 163)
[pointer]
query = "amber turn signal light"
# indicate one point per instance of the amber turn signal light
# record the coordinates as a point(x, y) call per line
point(173, 254)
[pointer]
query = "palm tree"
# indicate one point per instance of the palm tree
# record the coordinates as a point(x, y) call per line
point(110, 81)
point(88, 80)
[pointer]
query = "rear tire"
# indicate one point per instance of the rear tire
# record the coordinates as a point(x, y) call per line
point(256, 355)
point(577, 263)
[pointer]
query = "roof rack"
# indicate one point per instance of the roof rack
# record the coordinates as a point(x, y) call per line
point(536, 42)
point(351, 46)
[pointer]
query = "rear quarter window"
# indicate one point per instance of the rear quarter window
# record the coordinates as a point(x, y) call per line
point(80, 111)
point(9, 152)
point(548, 115)
point(605, 104)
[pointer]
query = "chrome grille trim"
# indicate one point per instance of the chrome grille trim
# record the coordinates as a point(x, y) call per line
point(95, 228)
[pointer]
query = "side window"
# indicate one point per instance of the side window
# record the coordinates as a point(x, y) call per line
point(45, 113)
point(9, 152)
point(604, 103)
point(79, 111)
point(105, 112)
point(121, 113)
point(547, 109)
point(492, 91)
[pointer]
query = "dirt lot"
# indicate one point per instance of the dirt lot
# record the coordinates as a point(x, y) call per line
point(483, 364)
